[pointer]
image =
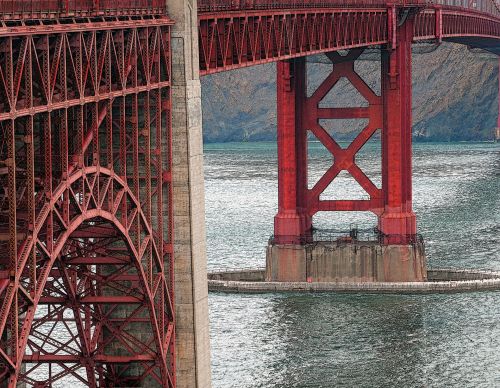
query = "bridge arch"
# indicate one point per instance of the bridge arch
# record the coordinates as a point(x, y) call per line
point(132, 290)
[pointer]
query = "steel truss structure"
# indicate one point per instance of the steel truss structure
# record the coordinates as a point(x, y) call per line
point(246, 33)
point(86, 269)
point(220, 6)
point(390, 112)
point(232, 41)
point(56, 9)
point(86, 228)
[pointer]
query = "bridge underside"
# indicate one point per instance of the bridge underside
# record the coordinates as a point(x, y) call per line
point(488, 44)
point(86, 211)
point(235, 39)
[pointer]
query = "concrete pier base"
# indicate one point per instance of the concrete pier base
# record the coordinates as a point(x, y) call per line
point(355, 261)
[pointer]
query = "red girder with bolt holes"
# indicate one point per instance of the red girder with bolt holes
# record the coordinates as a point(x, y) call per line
point(234, 34)
point(86, 231)
point(86, 268)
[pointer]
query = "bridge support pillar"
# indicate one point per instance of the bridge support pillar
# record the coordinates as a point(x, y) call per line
point(190, 273)
point(291, 224)
point(295, 254)
point(398, 221)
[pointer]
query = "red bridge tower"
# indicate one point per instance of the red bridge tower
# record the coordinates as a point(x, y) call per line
point(398, 255)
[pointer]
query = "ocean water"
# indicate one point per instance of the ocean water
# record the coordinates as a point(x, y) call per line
point(331, 340)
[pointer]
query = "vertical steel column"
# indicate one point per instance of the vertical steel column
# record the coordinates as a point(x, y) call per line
point(290, 223)
point(300, 77)
point(398, 221)
point(496, 132)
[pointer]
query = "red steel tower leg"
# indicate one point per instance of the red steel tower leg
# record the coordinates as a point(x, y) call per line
point(291, 224)
point(398, 220)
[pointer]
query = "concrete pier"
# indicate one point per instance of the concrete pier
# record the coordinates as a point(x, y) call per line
point(338, 261)
point(442, 281)
point(191, 290)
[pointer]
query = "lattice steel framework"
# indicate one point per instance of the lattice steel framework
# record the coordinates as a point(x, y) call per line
point(56, 9)
point(232, 41)
point(86, 268)
point(390, 112)
point(234, 34)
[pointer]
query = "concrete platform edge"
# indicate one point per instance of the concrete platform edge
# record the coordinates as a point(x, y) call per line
point(484, 281)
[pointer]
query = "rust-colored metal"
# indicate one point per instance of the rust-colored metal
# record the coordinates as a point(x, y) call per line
point(389, 112)
point(55, 9)
point(234, 34)
point(86, 207)
point(86, 228)
point(398, 221)
point(229, 41)
point(486, 6)
point(292, 221)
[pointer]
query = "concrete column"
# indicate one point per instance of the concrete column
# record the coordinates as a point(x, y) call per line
point(191, 290)
point(398, 220)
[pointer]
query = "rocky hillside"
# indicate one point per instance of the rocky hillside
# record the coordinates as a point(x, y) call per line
point(455, 97)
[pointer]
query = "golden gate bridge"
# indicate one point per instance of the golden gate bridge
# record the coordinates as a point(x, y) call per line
point(89, 149)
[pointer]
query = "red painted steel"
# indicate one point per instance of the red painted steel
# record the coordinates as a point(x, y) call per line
point(497, 131)
point(344, 159)
point(38, 9)
point(218, 6)
point(86, 268)
point(397, 219)
point(389, 112)
point(234, 41)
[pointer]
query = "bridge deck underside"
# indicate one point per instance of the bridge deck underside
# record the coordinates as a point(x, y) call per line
point(488, 44)
point(234, 39)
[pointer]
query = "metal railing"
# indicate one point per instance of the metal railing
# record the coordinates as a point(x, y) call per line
point(234, 5)
point(349, 236)
point(33, 9)
point(486, 6)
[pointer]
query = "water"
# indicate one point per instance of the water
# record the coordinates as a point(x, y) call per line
point(331, 340)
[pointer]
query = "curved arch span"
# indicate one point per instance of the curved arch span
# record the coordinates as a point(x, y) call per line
point(133, 276)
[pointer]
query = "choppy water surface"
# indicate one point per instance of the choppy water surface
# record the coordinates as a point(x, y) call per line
point(357, 340)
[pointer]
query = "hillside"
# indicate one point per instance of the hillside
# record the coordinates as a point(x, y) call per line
point(454, 97)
